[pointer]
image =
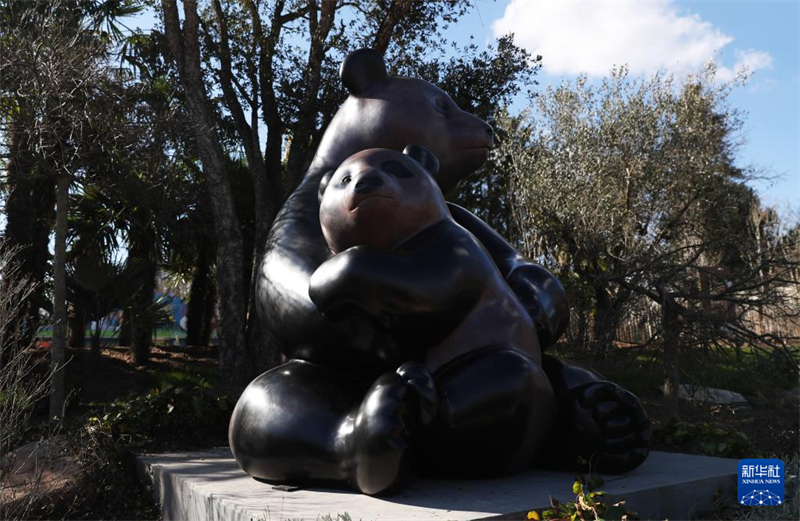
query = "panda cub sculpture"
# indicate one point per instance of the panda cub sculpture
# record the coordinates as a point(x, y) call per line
point(402, 260)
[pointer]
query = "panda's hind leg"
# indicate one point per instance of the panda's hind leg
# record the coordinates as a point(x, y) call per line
point(604, 428)
point(291, 426)
point(495, 410)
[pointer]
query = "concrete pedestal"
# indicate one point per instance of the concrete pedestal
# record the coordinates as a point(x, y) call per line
point(210, 486)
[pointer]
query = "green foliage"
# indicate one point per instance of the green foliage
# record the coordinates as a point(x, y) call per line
point(184, 411)
point(589, 504)
point(168, 415)
point(706, 439)
point(751, 372)
point(198, 377)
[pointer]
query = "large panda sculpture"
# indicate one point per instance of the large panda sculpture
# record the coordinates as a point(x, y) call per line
point(363, 401)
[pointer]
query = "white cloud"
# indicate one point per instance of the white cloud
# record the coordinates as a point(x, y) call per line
point(590, 37)
point(747, 62)
point(766, 85)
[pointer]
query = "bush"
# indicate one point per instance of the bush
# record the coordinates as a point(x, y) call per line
point(167, 417)
point(705, 439)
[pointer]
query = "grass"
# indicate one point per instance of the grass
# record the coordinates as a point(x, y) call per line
point(161, 332)
point(197, 376)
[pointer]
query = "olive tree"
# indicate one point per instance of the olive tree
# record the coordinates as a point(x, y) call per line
point(630, 192)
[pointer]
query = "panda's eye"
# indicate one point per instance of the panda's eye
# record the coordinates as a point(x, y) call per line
point(346, 180)
point(441, 105)
point(396, 169)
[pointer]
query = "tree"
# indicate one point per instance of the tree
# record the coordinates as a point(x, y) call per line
point(630, 191)
point(30, 188)
point(480, 82)
point(54, 73)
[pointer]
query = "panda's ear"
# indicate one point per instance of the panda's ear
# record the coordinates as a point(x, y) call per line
point(323, 184)
point(424, 157)
point(362, 68)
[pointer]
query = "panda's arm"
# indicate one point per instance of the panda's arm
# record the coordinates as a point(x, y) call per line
point(441, 277)
point(539, 291)
point(503, 254)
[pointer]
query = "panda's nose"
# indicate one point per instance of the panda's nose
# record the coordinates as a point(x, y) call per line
point(368, 184)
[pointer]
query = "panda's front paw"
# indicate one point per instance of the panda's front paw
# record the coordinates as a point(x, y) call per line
point(381, 437)
point(422, 392)
point(611, 428)
point(543, 297)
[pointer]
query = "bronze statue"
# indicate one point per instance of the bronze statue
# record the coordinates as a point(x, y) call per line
point(414, 331)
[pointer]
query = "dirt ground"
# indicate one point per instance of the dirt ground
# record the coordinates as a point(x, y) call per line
point(114, 375)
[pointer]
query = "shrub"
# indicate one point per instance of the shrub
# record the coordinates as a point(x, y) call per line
point(21, 389)
point(706, 439)
point(167, 416)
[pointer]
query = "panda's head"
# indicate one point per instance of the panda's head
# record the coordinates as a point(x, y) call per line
point(385, 111)
point(381, 198)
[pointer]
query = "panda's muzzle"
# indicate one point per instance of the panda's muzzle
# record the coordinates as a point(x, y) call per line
point(368, 184)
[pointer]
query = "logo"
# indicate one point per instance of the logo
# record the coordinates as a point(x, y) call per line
point(760, 482)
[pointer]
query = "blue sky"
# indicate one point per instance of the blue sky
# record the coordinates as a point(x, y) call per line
point(589, 36)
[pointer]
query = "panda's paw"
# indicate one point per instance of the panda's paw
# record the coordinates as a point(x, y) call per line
point(612, 427)
point(422, 392)
point(381, 437)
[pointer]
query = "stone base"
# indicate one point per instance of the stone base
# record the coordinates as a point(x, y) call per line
point(210, 485)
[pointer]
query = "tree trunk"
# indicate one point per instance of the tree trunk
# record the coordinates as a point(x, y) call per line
point(77, 326)
point(143, 241)
point(58, 393)
point(96, 338)
point(672, 325)
point(234, 366)
point(199, 295)
point(125, 329)
point(209, 309)
point(143, 333)
point(267, 187)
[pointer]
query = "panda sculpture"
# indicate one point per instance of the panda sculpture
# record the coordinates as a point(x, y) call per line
point(370, 394)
